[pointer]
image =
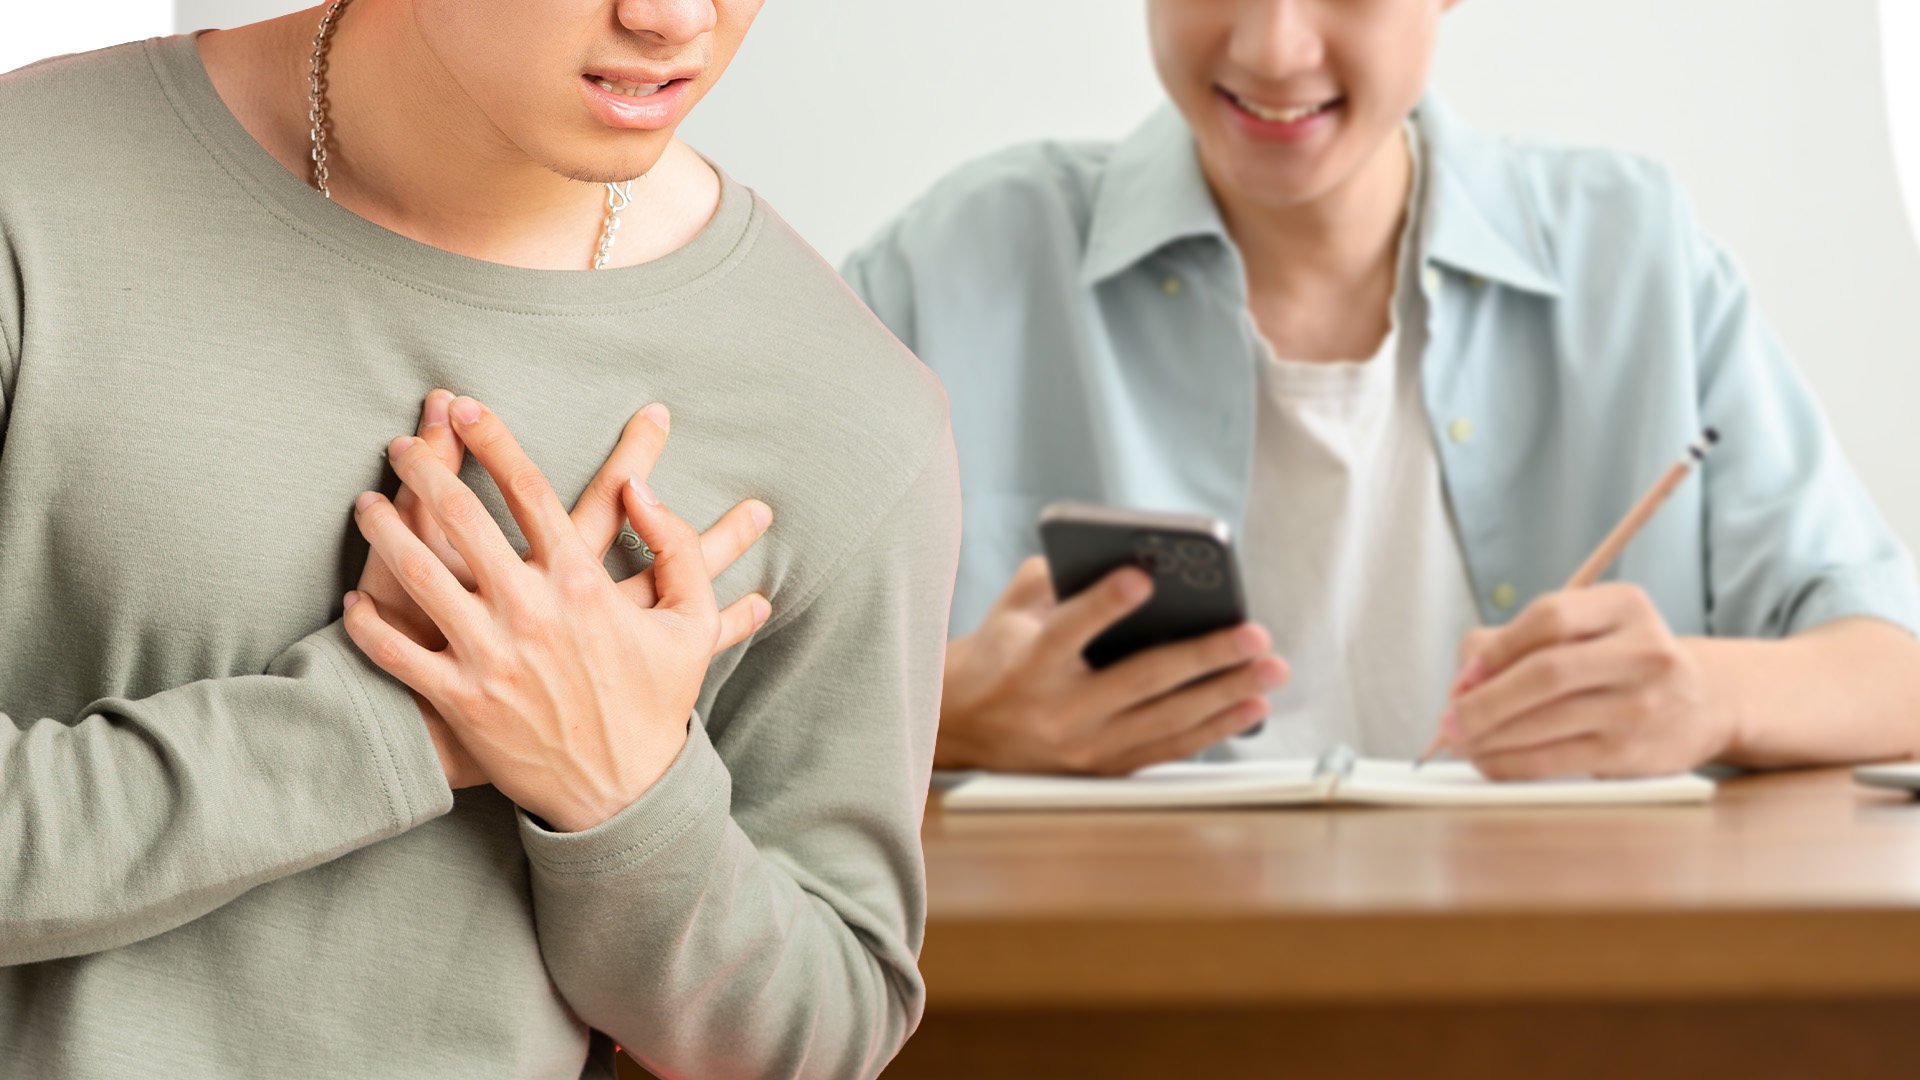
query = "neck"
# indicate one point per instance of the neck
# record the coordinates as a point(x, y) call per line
point(408, 147)
point(411, 152)
point(1335, 254)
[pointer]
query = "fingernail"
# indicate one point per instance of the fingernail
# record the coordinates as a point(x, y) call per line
point(1270, 674)
point(465, 409)
point(658, 413)
point(1134, 587)
point(1249, 641)
point(401, 444)
point(1470, 675)
point(351, 599)
point(366, 499)
point(761, 609)
point(1450, 724)
point(761, 515)
point(641, 489)
point(437, 407)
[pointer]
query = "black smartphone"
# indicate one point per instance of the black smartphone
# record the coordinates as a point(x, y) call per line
point(1196, 585)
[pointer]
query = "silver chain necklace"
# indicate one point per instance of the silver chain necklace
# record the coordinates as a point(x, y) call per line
point(618, 195)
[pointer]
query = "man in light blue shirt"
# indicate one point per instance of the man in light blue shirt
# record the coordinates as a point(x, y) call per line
point(1188, 321)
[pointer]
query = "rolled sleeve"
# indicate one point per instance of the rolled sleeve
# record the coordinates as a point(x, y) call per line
point(1794, 538)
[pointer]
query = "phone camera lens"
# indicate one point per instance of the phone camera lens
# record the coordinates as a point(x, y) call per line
point(1155, 561)
point(1202, 577)
point(1199, 551)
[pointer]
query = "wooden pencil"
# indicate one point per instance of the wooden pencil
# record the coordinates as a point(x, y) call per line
point(1623, 533)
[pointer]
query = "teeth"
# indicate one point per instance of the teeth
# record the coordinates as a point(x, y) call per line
point(629, 89)
point(1281, 116)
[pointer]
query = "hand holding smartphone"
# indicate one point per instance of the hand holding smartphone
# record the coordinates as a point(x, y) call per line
point(1196, 584)
point(1073, 670)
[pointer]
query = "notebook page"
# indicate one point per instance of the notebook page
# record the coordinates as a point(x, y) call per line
point(1179, 785)
point(1456, 783)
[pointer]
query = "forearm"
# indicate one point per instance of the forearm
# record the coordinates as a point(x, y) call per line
point(1848, 690)
point(758, 911)
point(668, 928)
point(146, 814)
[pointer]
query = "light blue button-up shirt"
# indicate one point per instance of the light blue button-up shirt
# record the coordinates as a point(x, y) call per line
point(1087, 312)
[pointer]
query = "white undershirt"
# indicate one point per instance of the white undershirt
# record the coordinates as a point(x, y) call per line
point(1349, 553)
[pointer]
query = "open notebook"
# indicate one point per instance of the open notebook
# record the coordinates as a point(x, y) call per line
point(1337, 777)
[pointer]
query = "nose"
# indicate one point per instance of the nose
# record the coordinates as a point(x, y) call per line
point(671, 22)
point(1274, 39)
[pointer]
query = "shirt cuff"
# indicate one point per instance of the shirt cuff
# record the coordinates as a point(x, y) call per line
point(694, 791)
point(398, 744)
point(1885, 591)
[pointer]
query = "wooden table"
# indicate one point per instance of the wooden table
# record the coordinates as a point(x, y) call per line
point(1775, 932)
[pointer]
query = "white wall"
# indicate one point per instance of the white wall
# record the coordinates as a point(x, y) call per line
point(1772, 113)
point(1770, 110)
point(840, 111)
point(33, 29)
point(220, 14)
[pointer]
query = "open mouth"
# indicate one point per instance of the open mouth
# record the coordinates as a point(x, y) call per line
point(639, 99)
point(626, 88)
point(1281, 114)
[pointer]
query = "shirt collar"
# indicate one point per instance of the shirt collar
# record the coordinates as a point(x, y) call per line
point(1152, 194)
point(1478, 219)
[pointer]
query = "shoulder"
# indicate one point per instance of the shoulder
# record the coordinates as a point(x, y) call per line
point(1605, 226)
point(855, 415)
point(83, 118)
point(66, 123)
point(994, 208)
point(817, 408)
point(59, 91)
point(1596, 194)
point(1624, 236)
point(819, 317)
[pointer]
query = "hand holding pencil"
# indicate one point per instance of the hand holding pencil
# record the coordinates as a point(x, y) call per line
point(1586, 680)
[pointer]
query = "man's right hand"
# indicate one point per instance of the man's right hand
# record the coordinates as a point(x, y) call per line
point(598, 516)
point(1020, 697)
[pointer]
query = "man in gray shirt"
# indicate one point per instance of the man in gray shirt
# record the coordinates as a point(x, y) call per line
point(230, 843)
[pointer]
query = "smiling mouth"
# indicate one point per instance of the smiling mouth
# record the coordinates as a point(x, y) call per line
point(629, 89)
point(1287, 114)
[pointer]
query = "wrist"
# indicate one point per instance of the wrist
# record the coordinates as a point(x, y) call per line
point(588, 800)
point(958, 741)
point(949, 749)
point(443, 746)
point(1728, 710)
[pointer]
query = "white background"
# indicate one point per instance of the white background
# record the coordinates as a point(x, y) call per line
point(1771, 111)
point(32, 29)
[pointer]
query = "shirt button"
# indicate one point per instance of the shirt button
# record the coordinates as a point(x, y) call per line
point(1504, 596)
point(1460, 430)
point(629, 540)
point(1431, 275)
point(1171, 286)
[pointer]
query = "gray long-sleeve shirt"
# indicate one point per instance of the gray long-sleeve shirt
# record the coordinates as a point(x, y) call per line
point(226, 847)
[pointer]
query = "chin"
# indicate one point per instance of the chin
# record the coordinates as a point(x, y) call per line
point(1263, 183)
point(595, 175)
point(604, 168)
